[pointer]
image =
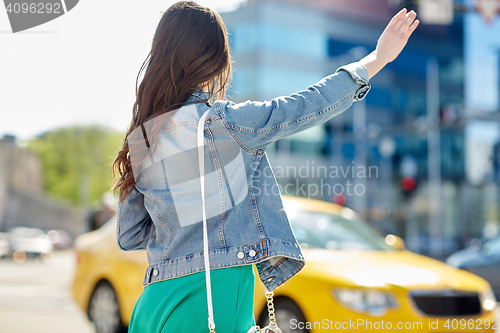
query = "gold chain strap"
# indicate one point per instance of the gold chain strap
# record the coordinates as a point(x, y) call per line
point(270, 308)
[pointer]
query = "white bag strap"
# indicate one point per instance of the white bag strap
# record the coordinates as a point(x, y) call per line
point(201, 161)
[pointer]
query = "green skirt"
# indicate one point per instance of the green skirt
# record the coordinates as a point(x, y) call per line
point(180, 304)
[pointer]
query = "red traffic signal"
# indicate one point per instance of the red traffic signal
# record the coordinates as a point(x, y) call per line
point(339, 199)
point(408, 183)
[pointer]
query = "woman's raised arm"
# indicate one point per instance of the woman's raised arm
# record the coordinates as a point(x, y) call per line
point(258, 124)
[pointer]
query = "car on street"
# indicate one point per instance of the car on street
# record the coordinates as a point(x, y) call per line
point(25, 242)
point(481, 260)
point(356, 278)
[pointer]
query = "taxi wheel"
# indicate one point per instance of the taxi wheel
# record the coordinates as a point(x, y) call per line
point(288, 316)
point(104, 310)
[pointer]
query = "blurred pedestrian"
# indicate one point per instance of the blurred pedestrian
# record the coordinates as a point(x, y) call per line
point(109, 205)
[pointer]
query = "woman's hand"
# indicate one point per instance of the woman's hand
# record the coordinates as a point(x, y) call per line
point(396, 34)
point(391, 42)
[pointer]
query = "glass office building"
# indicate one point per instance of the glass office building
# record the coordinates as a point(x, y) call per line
point(280, 47)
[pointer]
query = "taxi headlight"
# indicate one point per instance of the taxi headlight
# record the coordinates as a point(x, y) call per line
point(373, 302)
point(488, 300)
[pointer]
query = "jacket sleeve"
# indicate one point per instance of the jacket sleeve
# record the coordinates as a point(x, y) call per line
point(134, 224)
point(258, 124)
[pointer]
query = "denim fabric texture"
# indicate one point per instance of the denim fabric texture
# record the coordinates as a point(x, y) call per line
point(246, 221)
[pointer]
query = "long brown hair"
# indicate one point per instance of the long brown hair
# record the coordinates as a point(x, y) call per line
point(190, 50)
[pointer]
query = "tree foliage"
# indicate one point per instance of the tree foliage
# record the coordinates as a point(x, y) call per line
point(77, 161)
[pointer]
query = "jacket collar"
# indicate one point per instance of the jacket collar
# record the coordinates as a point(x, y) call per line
point(198, 95)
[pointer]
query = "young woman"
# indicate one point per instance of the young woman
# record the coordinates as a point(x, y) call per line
point(186, 74)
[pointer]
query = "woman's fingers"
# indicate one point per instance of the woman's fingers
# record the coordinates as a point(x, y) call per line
point(395, 19)
point(407, 21)
point(412, 28)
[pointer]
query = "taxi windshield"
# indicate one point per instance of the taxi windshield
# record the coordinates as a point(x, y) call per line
point(335, 232)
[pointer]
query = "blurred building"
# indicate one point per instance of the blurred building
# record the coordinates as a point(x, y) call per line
point(22, 199)
point(280, 47)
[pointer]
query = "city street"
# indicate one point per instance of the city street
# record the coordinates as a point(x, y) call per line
point(36, 297)
point(349, 147)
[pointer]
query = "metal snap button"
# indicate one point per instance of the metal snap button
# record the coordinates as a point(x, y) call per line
point(155, 272)
point(240, 255)
point(252, 253)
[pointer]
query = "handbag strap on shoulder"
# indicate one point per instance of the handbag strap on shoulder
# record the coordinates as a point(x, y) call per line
point(201, 161)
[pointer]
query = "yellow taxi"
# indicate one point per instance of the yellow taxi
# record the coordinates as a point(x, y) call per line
point(355, 279)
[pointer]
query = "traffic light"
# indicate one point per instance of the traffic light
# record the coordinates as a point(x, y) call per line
point(339, 199)
point(408, 185)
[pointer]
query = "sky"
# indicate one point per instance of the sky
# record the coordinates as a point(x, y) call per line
point(80, 68)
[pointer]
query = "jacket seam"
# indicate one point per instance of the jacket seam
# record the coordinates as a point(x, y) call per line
point(118, 227)
point(353, 72)
point(195, 271)
point(163, 224)
point(235, 137)
point(190, 256)
point(153, 225)
point(178, 124)
point(147, 245)
point(221, 185)
point(256, 212)
point(290, 277)
point(296, 121)
point(264, 258)
point(217, 170)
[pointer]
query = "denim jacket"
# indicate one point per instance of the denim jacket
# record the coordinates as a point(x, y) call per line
point(245, 217)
